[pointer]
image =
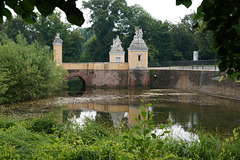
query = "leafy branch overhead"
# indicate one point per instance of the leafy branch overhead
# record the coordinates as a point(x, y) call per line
point(186, 3)
point(25, 8)
point(223, 18)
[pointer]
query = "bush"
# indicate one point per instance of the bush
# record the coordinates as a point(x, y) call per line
point(46, 124)
point(3, 85)
point(31, 71)
point(5, 123)
point(28, 139)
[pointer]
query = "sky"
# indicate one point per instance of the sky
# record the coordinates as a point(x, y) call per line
point(158, 9)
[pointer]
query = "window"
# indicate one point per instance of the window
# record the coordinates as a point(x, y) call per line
point(117, 59)
point(139, 57)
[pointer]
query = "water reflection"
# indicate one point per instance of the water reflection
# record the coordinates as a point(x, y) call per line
point(118, 114)
point(187, 110)
point(188, 116)
point(177, 132)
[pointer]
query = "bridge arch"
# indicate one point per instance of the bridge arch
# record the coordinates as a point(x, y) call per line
point(76, 85)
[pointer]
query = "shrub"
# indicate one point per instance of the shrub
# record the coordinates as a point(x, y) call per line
point(5, 123)
point(31, 71)
point(3, 85)
point(27, 139)
point(46, 124)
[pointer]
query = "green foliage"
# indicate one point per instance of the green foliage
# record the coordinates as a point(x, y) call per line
point(27, 139)
point(107, 16)
point(32, 72)
point(3, 85)
point(26, 9)
point(205, 44)
point(182, 37)
point(90, 50)
point(139, 140)
point(6, 123)
point(16, 25)
point(92, 132)
point(207, 147)
point(44, 32)
point(187, 3)
point(222, 18)
point(46, 124)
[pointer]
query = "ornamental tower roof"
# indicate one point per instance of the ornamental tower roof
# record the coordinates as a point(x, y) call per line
point(138, 44)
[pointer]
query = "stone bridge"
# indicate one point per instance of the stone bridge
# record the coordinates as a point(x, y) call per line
point(105, 75)
point(116, 73)
point(119, 74)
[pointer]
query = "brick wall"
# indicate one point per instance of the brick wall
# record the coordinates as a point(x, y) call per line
point(112, 78)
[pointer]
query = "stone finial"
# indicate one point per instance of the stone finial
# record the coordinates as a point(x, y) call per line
point(116, 45)
point(57, 40)
point(138, 34)
point(138, 43)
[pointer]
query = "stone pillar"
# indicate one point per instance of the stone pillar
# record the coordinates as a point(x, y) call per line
point(57, 49)
point(138, 76)
point(138, 52)
point(116, 53)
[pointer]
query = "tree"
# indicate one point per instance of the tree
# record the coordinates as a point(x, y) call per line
point(222, 18)
point(44, 32)
point(136, 16)
point(106, 18)
point(182, 37)
point(25, 9)
point(12, 28)
point(204, 40)
point(160, 39)
point(90, 50)
point(47, 27)
point(30, 70)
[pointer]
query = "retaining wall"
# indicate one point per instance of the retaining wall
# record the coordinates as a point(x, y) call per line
point(192, 80)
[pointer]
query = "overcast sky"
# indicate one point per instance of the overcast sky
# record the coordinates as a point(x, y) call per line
point(159, 9)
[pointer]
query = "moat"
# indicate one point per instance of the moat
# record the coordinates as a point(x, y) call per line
point(188, 111)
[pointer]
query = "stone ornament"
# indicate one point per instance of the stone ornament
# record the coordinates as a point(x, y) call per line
point(57, 40)
point(138, 34)
point(116, 45)
point(138, 43)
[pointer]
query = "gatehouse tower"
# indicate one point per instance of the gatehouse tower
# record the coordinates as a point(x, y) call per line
point(57, 48)
point(138, 52)
point(116, 53)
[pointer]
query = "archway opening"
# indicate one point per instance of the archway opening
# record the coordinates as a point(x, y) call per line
point(76, 86)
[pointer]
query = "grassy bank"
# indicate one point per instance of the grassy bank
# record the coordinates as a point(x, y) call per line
point(47, 138)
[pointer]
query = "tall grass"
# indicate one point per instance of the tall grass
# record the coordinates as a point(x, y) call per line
point(47, 138)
